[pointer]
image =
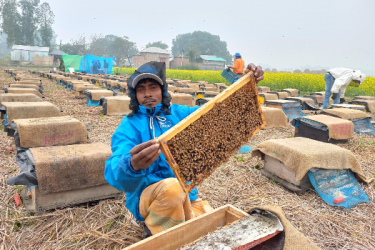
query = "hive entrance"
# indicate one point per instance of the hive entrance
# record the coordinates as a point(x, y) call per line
point(207, 138)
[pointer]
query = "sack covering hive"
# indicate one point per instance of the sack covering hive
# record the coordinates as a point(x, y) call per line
point(182, 99)
point(317, 126)
point(172, 88)
point(95, 95)
point(47, 131)
point(264, 89)
point(281, 95)
point(28, 86)
point(369, 104)
point(314, 98)
point(19, 98)
point(362, 97)
point(263, 97)
point(185, 90)
point(63, 168)
point(24, 91)
point(275, 118)
point(344, 113)
point(115, 105)
point(292, 108)
point(361, 120)
point(292, 92)
point(319, 98)
point(30, 82)
point(302, 154)
point(23, 110)
point(204, 140)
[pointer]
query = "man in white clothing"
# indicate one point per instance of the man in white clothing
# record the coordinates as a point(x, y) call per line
point(337, 79)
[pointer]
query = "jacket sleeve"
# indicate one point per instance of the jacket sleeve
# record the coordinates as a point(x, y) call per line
point(118, 171)
point(340, 82)
point(183, 111)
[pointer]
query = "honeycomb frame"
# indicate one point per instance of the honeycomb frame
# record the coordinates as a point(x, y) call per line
point(247, 82)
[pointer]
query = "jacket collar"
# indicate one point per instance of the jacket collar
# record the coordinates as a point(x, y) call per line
point(150, 111)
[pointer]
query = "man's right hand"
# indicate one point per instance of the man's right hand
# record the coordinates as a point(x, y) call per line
point(144, 154)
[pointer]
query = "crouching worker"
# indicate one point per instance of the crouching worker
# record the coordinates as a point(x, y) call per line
point(137, 166)
point(336, 82)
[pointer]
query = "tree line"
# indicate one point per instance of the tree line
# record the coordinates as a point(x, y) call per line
point(29, 22)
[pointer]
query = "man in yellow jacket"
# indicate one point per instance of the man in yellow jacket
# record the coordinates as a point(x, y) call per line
point(239, 65)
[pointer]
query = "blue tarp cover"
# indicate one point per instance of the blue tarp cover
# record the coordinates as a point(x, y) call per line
point(245, 149)
point(364, 126)
point(95, 64)
point(334, 183)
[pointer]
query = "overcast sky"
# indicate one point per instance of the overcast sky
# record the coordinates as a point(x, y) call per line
point(282, 34)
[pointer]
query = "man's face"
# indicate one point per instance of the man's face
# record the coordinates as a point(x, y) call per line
point(148, 94)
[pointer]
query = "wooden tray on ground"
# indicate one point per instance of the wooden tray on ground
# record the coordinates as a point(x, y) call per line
point(204, 140)
point(187, 232)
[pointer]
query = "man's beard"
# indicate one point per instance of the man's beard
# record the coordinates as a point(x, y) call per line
point(149, 101)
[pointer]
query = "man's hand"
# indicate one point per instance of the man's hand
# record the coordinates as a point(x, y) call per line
point(228, 67)
point(258, 72)
point(334, 96)
point(144, 154)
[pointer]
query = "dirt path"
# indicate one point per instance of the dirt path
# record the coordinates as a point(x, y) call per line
point(108, 225)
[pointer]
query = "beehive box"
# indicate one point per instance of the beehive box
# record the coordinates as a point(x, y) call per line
point(263, 97)
point(185, 233)
point(208, 137)
point(368, 104)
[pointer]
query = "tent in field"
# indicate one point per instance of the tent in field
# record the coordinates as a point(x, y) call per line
point(71, 61)
point(95, 64)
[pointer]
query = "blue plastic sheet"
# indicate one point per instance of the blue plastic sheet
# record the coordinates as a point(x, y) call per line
point(293, 112)
point(364, 126)
point(96, 64)
point(334, 183)
point(91, 102)
point(245, 149)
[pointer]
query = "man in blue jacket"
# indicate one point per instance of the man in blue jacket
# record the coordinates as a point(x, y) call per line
point(137, 165)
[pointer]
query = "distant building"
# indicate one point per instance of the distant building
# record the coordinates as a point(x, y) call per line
point(211, 62)
point(21, 53)
point(178, 61)
point(151, 54)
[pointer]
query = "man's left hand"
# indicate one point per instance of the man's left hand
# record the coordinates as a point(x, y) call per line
point(258, 72)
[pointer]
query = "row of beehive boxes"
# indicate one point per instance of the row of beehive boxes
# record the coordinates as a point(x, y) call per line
point(68, 169)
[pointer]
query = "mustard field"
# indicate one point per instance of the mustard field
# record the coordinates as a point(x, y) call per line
point(306, 83)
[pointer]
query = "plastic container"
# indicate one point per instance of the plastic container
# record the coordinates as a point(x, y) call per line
point(229, 75)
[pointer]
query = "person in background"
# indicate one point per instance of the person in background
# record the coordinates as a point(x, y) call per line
point(239, 65)
point(95, 63)
point(336, 82)
point(137, 166)
point(105, 66)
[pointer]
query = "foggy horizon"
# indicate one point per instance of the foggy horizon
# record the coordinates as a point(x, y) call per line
point(281, 34)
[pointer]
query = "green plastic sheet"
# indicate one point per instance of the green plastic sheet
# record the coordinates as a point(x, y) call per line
point(71, 61)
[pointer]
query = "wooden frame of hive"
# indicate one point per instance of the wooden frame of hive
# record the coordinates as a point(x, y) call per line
point(164, 138)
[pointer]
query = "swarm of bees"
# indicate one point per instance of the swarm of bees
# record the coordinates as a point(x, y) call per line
point(209, 141)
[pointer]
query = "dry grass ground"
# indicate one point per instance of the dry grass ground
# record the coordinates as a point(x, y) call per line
point(108, 225)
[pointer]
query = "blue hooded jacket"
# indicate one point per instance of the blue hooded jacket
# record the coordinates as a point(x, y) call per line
point(144, 125)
